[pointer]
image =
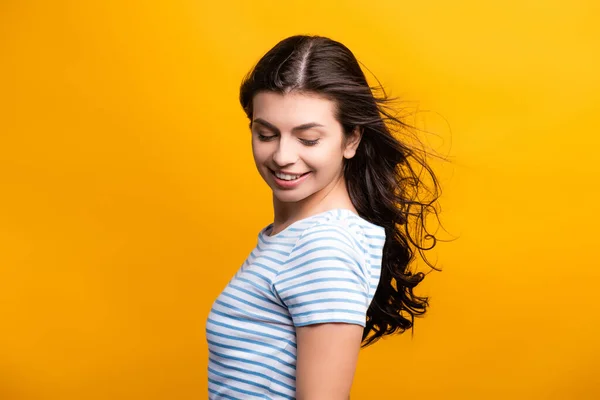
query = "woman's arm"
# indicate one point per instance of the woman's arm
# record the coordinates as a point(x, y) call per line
point(326, 360)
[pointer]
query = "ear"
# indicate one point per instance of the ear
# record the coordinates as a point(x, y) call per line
point(352, 142)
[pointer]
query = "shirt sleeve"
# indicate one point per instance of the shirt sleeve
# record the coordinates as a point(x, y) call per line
point(325, 279)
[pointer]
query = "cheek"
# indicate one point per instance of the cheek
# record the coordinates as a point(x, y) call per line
point(324, 160)
point(259, 151)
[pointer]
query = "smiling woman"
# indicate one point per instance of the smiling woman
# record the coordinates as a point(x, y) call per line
point(331, 272)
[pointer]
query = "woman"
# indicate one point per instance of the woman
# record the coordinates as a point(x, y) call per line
point(331, 272)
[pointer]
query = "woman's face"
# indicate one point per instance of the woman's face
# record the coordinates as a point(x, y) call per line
point(298, 145)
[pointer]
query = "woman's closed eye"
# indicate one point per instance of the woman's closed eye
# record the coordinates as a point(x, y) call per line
point(265, 138)
point(309, 142)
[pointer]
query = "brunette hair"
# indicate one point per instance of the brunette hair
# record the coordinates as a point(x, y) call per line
point(384, 178)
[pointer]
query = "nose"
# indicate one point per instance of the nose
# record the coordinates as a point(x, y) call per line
point(285, 154)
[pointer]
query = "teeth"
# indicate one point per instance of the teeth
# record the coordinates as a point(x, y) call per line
point(286, 177)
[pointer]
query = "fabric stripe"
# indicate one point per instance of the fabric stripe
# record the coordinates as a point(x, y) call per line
point(250, 372)
point(252, 362)
point(250, 383)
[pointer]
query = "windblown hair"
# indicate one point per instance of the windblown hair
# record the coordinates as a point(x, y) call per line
point(383, 178)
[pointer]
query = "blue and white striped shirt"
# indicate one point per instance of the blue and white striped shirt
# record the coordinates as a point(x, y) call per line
point(324, 268)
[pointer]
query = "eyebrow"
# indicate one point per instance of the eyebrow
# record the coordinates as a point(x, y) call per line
point(298, 128)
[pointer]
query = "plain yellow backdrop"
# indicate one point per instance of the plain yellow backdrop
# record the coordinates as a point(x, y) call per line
point(129, 196)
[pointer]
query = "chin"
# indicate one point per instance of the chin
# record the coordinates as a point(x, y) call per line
point(288, 196)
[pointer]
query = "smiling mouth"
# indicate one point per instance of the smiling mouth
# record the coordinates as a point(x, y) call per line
point(287, 177)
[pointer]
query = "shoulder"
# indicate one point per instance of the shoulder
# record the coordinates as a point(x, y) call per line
point(337, 235)
point(329, 272)
point(344, 227)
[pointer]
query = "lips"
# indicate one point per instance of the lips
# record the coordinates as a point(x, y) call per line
point(296, 175)
point(287, 176)
point(289, 184)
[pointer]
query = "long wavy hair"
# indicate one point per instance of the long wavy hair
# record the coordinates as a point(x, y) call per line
point(384, 178)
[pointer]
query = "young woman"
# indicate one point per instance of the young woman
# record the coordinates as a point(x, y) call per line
point(331, 272)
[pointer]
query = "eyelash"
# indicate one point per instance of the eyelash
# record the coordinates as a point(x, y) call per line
point(264, 138)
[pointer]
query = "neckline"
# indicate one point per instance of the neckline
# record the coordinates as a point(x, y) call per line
point(266, 237)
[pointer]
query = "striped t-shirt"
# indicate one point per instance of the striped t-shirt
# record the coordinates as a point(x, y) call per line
point(324, 268)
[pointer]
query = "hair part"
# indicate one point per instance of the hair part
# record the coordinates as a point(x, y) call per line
point(384, 178)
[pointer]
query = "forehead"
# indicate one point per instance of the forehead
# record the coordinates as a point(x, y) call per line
point(293, 109)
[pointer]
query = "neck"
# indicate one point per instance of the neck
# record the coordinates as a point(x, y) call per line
point(334, 196)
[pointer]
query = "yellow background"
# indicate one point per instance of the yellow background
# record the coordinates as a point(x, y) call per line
point(129, 196)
